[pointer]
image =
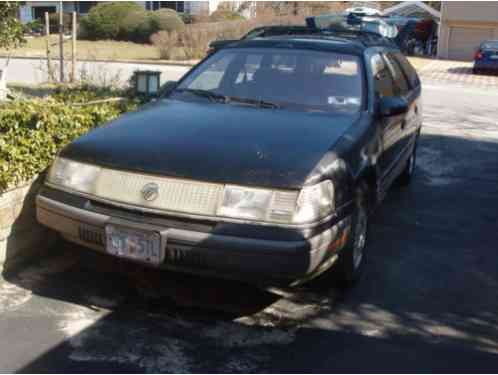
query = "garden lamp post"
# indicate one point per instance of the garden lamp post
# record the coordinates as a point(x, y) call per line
point(147, 83)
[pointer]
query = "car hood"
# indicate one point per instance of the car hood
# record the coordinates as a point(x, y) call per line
point(214, 142)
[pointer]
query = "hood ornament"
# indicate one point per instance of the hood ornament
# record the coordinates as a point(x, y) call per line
point(150, 191)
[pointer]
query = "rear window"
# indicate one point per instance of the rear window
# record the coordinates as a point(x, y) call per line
point(490, 45)
point(297, 79)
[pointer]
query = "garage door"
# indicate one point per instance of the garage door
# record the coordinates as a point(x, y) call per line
point(465, 40)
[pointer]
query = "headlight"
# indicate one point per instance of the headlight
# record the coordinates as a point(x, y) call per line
point(315, 202)
point(73, 175)
point(245, 203)
point(311, 204)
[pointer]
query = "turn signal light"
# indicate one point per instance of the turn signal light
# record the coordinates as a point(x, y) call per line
point(340, 242)
point(478, 55)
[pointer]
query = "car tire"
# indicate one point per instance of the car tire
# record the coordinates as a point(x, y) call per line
point(406, 175)
point(349, 266)
point(476, 70)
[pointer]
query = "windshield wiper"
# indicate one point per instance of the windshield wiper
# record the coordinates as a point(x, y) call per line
point(229, 99)
point(255, 102)
point(205, 94)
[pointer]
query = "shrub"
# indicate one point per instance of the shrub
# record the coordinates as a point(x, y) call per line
point(139, 26)
point(136, 26)
point(225, 15)
point(194, 40)
point(135, 23)
point(166, 43)
point(187, 18)
point(53, 19)
point(105, 20)
point(33, 27)
point(33, 131)
point(11, 30)
point(167, 20)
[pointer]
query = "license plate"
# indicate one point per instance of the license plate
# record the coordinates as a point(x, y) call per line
point(134, 244)
point(494, 57)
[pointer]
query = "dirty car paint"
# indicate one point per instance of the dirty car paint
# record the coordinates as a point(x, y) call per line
point(215, 142)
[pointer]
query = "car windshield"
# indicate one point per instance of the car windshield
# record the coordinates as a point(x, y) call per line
point(490, 45)
point(278, 78)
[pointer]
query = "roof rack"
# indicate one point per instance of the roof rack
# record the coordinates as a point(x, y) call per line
point(367, 30)
point(367, 38)
point(266, 31)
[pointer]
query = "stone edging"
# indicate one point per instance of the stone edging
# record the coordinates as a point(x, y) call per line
point(21, 237)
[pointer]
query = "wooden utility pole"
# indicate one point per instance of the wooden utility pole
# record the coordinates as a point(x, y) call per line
point(49, 57)
point(73, 49)
point(61, 40)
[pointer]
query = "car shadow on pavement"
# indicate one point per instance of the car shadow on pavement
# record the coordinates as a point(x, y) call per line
point(463, 70)
point(427, 301)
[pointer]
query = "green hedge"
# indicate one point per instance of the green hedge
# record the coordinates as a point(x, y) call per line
point(138, 26)
point(105, 20)
point(127, 21)
point(33, 131)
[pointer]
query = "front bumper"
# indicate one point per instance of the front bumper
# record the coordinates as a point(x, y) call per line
point(198, 248)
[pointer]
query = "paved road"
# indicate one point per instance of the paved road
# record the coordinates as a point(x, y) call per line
point(34, 71)
point(428, 301)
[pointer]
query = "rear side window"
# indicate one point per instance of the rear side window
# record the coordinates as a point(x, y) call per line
point(400, 80)
point(410, 72)
point(383, 81)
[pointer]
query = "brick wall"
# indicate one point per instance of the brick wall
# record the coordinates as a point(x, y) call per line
point(21, 237)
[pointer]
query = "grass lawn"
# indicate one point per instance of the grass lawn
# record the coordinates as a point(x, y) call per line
point(112, 50)
point(91, 50)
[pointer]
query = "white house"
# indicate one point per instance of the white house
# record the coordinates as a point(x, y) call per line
point(464, 25)
point(31, 10)
point(195, 8)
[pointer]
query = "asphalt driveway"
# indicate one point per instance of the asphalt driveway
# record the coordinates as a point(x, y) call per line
point(457, 72)
point(428, 301)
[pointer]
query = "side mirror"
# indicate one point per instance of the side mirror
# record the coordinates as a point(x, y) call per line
point(392, 106)
point(167, 88)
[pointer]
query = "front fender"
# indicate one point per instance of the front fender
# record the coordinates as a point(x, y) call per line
point(351, 160)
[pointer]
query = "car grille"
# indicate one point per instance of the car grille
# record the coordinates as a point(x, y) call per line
point(180, 256)
point(174, 194)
